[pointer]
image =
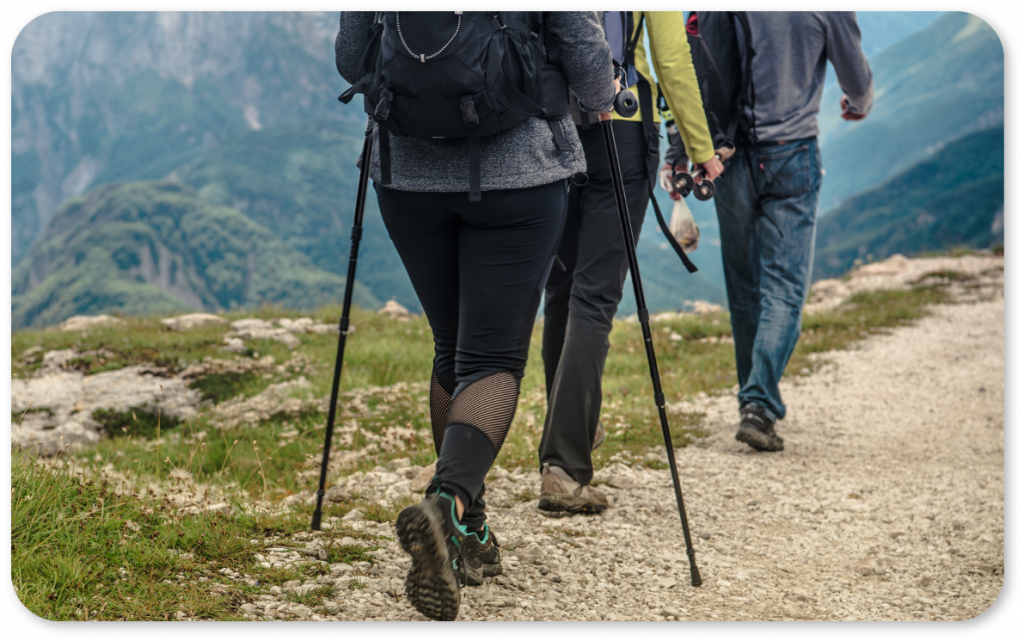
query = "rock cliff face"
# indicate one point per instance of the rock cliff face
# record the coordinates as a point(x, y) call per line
point(100, 97)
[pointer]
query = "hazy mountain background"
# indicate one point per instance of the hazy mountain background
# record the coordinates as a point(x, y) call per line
point(236, 113)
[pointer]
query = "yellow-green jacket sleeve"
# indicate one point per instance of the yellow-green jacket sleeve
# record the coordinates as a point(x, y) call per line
point(673, 65)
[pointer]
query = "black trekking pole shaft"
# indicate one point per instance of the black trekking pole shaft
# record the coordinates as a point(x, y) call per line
point(350, 279)
point(644, 317)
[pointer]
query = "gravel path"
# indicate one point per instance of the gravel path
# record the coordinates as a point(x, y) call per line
point(887, 503)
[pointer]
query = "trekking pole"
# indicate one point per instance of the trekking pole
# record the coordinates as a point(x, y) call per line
point(644, 316)
point(350, 279)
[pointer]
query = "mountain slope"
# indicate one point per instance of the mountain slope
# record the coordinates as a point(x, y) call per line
point(931, 88)
point(299, 180)
point(150, 247)
point(953, 199)
point(121, 96)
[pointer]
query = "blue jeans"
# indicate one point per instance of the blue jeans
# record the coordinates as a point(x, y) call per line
point(766, 201)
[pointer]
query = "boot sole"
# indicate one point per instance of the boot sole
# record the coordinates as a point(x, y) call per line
point(572, 505)
point(430, 585)
point(758, 440)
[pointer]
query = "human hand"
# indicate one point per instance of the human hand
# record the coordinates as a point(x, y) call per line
point(608, 114)
point(712, 168)
point(848, 115)
point(665, 180)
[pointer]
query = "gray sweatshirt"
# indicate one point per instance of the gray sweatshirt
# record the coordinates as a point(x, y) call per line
point(791, 49)
point(524, 156)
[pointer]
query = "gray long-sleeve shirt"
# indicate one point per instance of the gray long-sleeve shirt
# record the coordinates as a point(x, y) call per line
point(791, 49)
point(524, 156)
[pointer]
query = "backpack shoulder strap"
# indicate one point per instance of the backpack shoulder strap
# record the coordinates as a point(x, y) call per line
point(749, 95)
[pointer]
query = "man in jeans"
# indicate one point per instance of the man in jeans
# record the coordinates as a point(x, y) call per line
point(768, 196)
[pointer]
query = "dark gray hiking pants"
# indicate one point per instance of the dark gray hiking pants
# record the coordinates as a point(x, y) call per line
point(583, 294)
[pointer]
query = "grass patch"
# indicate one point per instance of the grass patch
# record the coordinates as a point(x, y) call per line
point(312, 597)
point(348, 554)
point(864, 314)
point(80, 550)
point(221, 386)
point(137, 422)
point(356, 584)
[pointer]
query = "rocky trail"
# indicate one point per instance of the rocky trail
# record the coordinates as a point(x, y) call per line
point(886, 504)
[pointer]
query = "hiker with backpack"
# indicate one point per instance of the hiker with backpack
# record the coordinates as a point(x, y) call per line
point(472, 149)
point(762, 76)
point(585, 285)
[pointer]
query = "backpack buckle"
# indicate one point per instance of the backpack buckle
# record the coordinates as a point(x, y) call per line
point(469, 115)
point(383, 109)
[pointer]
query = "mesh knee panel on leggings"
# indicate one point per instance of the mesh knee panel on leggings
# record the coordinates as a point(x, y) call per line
point(488, 405)
point(439, 402)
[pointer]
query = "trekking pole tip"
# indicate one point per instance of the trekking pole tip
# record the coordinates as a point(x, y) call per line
point(316, 521)
point(695, 580)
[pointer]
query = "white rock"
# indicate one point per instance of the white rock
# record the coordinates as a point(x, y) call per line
point(233, 344)
point(353, 515)
point(294, 325)
point(392, 309)
point(79, 323)
point(267, 333)
point(422, 480)
point(246, 324)
point(191, 321)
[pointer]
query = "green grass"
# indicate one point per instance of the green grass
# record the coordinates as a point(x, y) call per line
point(84, 547)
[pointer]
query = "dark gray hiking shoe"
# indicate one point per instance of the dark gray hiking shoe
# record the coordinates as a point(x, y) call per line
point(483, 556)
point(560, 493)
point(431, 534)
point(758, 430)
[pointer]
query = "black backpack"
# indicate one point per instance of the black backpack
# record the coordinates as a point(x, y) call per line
point(720, 44)
point(458, 74)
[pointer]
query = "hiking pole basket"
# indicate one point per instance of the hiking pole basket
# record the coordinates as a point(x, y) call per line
point(644, 317)
point(350, 279)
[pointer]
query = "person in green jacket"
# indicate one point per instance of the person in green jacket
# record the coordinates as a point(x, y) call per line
point(585, 285)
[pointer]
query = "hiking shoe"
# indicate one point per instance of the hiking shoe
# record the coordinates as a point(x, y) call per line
point(758, 430)
point(483, 556)
point(598, 437)
point(560, 493)
point(431, 534)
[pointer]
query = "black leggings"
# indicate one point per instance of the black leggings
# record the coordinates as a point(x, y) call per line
point(479, 269)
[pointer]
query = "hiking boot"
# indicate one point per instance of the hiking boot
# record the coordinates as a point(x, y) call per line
point(598, 437)
point(483, 556)
point(431, 534)
point(758, 430)
point(560, 493)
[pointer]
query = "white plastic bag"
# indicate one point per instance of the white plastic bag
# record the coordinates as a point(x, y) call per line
point(684, 227)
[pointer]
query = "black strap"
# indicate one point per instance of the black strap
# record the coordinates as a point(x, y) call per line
point(556, 132)
point(474, 166)
point(631, 49)
point(690, 267)
point(384, 147)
